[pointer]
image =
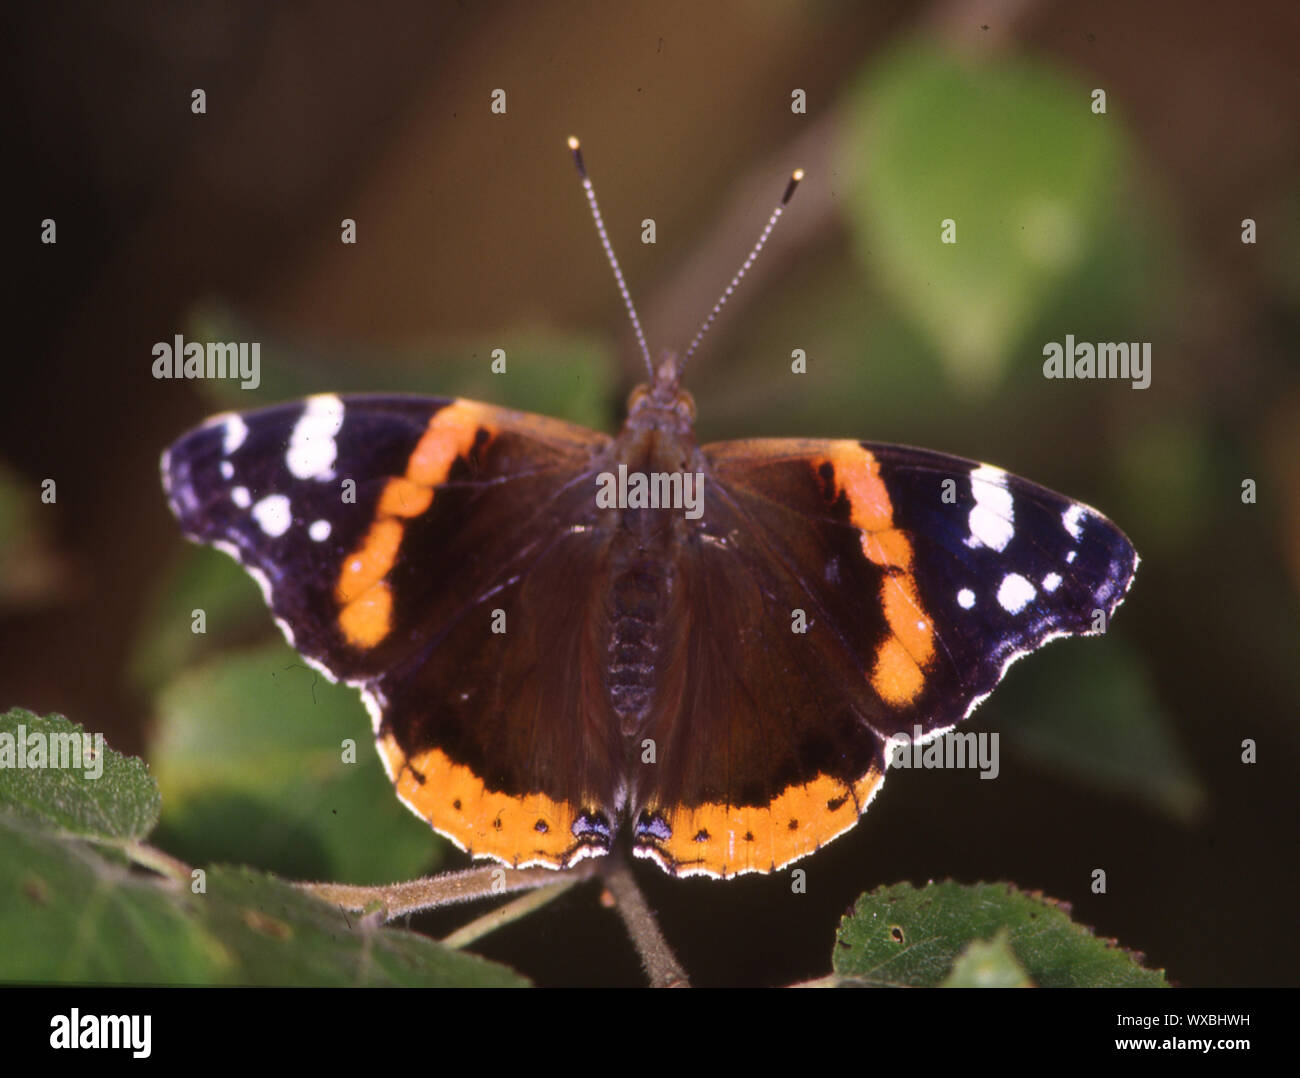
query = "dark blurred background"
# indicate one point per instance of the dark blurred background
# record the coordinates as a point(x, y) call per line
point(1122, 753)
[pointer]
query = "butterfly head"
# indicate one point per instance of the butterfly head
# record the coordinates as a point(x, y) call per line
point(662, 404)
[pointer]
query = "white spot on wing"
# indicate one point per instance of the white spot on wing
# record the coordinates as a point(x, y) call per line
point(1015, 593)
point(235, 430)
point(1014, 656)
point(992, 520)
point(1051, 581)
point(965, 598)
point(319, 530)
point(273, 515)
point(1072, 518)
point(312, 448)
point(241, 497)
point(227, 470)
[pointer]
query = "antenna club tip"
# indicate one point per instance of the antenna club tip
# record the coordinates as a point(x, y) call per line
point(795, 177)
point(576, 149)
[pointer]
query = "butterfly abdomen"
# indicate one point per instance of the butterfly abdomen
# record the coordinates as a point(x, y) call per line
point(638, 604)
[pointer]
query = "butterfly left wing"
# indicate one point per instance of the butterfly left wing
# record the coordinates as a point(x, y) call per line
point(392, 537)
point(845, 593)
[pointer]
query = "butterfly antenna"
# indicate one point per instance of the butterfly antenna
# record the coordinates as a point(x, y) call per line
point(795, 177)
point(609, 253)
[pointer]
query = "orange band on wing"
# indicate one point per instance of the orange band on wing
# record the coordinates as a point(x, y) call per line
point(370, 562)
point(531, 829)
point(362, 592)
point(889, 549)
point(366, 619)
point(896, 676)
point(858, 474)
point(898, 673)
point(906, 617)
point(451, 434)
point(722, 840)
point(404, 498)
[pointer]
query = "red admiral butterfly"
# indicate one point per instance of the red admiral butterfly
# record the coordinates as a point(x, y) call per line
point(561, 635)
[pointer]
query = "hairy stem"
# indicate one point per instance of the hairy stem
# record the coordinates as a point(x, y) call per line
point(432, 892)
point(660, 964)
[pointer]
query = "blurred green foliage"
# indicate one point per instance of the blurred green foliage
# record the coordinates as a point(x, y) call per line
point(1013, 157)
point(1088, 712)
point(569, 376)
point(252, 751)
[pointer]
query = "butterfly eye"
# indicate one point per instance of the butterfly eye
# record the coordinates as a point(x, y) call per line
point(637, 396)
point(685, 405)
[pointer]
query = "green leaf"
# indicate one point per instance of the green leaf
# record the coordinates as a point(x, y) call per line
point(1013, 155)
point(903, 935)
point(249, 753)
point(277, 934)
point(79, 785)
point(990, 964)
point(68, 914)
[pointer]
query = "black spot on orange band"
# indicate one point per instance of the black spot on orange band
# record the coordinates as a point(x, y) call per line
point(531, 829)
point(723, 840)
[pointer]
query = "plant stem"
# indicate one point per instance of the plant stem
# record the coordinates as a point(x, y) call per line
point(657, 958)
point(431, 892)
point(504, 915)
point(154, 859)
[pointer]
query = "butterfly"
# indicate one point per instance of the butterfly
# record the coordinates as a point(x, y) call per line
point(567, 639)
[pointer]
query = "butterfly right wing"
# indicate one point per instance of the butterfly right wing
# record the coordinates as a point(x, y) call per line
point(837, 595)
